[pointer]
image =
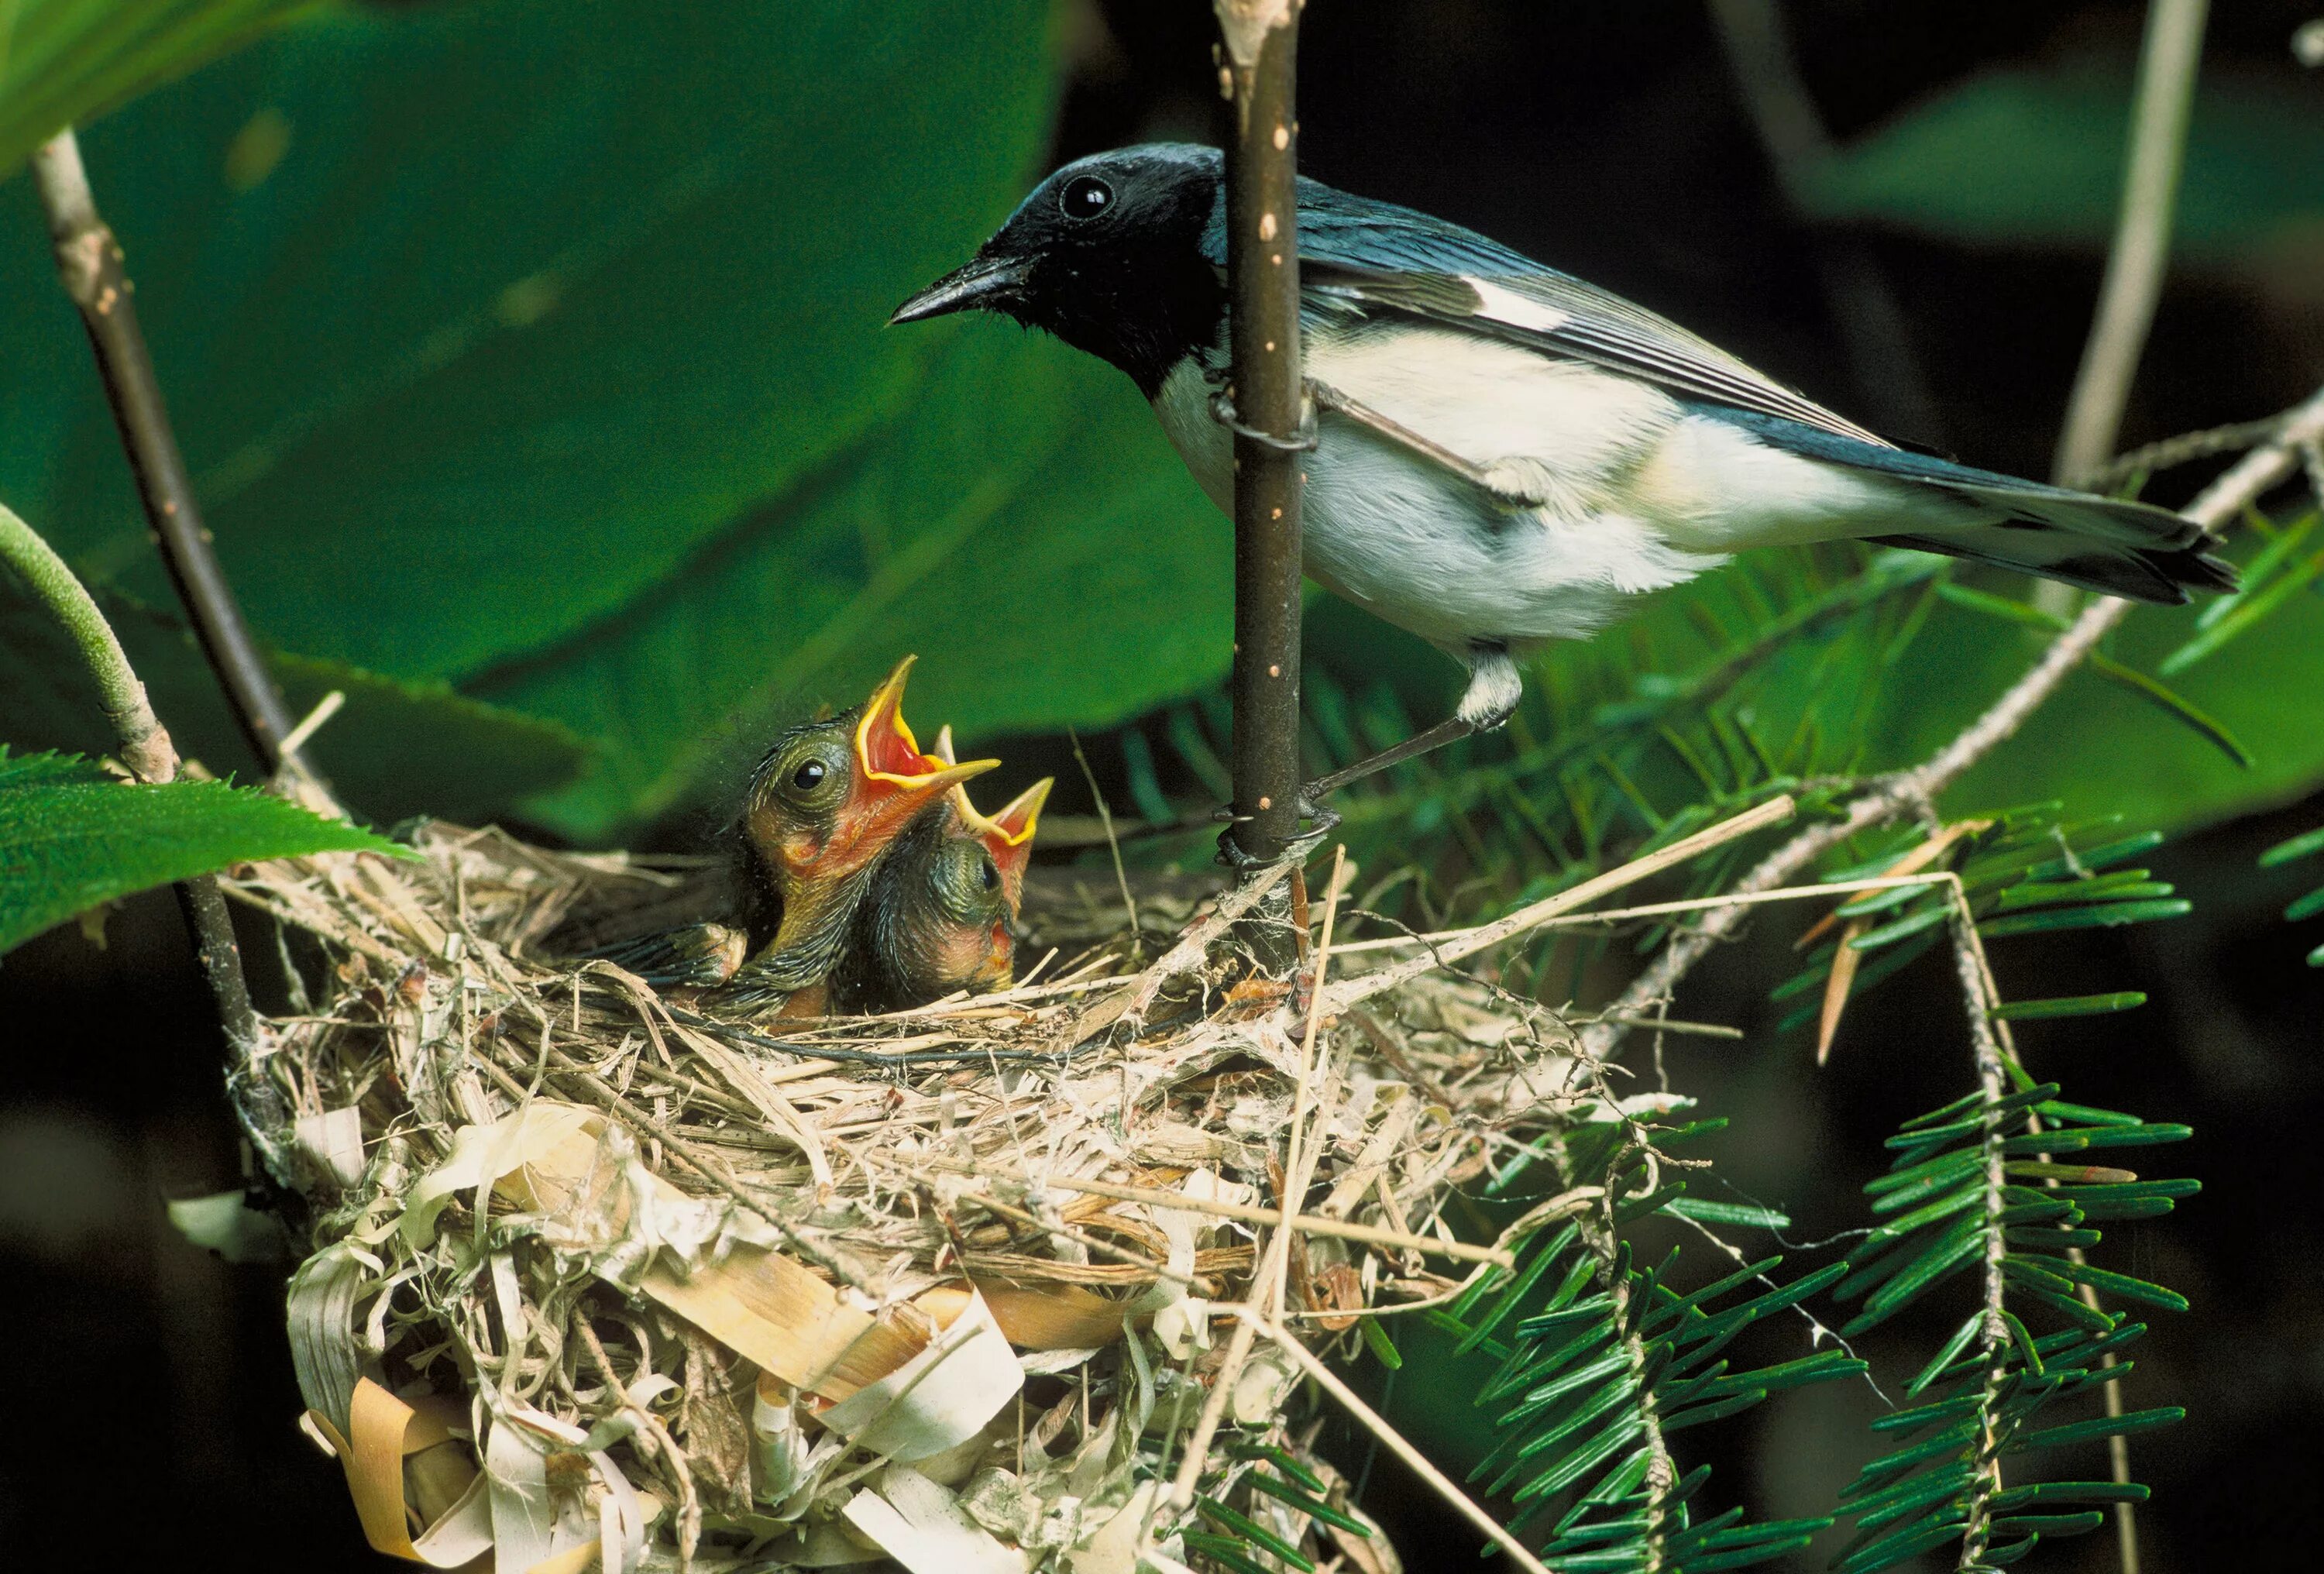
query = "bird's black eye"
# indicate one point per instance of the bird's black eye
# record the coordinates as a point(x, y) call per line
point(987, 873)
point(808, 776)
point(1085, 197)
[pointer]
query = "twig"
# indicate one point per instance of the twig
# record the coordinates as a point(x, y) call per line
point(1269, 410)
point(1774, 812)
point(1112, 845)
point(1992, 1080)
point(2168, 62)
point(1413, 1460)
point(145, 748)
point(2251, 476)
point(1266, 1284)
point(1249, 1212)
point(1188, 953)
point(1663, 909)
point(89, 265)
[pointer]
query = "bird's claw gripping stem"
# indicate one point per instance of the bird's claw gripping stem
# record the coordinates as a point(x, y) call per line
point(1222, 411)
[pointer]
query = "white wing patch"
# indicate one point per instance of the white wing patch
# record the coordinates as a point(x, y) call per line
point(1506, 306)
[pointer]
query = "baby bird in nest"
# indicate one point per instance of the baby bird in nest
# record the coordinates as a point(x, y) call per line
point(941, 916)
point(823, 808)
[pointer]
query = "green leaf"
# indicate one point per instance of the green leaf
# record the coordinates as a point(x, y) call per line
point(2069, 1006)
point(2032, 156)
point(2103, 1426)
point(2304, 845)
point(2250, 606)
point(64, 61)
point(583, 405)
point(2104, 915)
point(72, 837)
point(2174, 703)
point(395, 750)
point(1252, 1531)
point(1313, 1507)
point(1703, 1211)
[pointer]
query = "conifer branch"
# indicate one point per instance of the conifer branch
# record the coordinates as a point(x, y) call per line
point(2251, 476)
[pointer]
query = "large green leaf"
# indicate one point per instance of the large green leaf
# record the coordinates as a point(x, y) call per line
point(2103, 748)
point(2021, 155)
point(68, 60)
point(1023, 528)
point(397, 749)
point(72, 837)
point(537, 319)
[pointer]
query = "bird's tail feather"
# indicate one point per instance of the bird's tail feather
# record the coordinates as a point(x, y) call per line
point(2130, 549)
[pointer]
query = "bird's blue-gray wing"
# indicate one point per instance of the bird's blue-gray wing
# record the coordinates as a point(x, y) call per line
point(1376, 257)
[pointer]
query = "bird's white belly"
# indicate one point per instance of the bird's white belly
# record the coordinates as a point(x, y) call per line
point(1636, 493)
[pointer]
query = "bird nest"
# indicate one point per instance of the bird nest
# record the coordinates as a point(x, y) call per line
point(595, 1275)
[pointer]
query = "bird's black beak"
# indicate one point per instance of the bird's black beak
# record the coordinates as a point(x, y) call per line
point(985, 283)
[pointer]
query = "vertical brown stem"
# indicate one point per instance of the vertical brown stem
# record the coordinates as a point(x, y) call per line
point(89, 263)
point(1268, 399)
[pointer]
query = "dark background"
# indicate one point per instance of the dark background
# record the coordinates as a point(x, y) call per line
point(155, 1396)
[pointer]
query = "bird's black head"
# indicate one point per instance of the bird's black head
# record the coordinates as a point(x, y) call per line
point(1107, 253)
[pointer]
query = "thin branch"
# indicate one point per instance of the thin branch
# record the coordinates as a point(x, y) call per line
point(89, 265)
point(1416, 1461)
point(2248, 479)
point(145, 748)
point(1266, 1284)
point(2168, 62)
point(1356, 991)
point(1112, 845)
point(1993, 1335)
point(1269, 410)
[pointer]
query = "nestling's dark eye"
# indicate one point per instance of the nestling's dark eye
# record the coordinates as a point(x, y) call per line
point(808, 776)
point(988, 874)
point(1085, 197)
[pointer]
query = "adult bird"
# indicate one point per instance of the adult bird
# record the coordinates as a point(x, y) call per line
point(825, 808)
point(1504, 454)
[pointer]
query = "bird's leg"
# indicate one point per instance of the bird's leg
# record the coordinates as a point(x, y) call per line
point(1491, 699)
point(1508, 485)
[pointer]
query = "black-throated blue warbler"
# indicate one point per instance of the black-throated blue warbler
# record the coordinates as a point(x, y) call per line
point(1505, 454)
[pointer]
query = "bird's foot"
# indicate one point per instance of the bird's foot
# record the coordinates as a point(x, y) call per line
point(1222, 411)
point(1319, 822)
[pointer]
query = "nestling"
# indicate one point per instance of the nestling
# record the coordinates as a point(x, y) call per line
point(825, 808)
point(1505, 455)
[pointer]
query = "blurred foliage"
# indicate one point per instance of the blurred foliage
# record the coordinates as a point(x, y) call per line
point(2032, 156)
point(538, 364)
point(412, 748)
point(77, 838)
point(539, 354)
point(2306, 845)
point(68, 60)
